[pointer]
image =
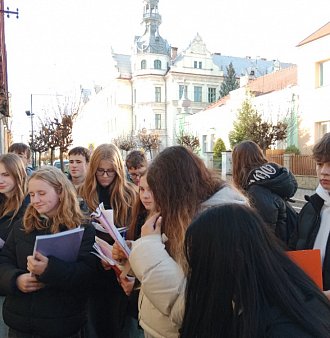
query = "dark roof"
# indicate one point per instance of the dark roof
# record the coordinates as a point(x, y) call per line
point(123, 64)
point(244, 66)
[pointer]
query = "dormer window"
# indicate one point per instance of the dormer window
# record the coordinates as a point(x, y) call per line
point(143, 64)
point(157, 64)
point(198, 64)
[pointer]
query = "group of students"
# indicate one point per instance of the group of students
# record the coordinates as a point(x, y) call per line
point(208, 256)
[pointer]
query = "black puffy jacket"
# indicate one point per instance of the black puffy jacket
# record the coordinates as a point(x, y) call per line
point(268, 187)
point(58, 309)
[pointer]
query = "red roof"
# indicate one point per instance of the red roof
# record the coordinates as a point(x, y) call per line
point(320, 33)
point(218, 103)
point(281, 79)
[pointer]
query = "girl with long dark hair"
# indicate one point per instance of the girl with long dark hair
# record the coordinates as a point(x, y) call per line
point(182, 187)
point(240, 282)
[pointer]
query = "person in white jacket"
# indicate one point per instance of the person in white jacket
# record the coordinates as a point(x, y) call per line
point(182, 188)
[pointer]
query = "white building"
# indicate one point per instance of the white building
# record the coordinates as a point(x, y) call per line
point(314, 84)
point(158, 86)
point(274, 96)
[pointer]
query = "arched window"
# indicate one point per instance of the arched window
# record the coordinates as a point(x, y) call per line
point(143, 64)
point(157, 64)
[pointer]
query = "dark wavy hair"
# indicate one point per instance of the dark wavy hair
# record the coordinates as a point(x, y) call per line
point(180, 182)
point(321, 150)
point(237, 272)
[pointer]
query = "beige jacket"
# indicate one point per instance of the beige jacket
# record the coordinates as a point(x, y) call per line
point(161, 299)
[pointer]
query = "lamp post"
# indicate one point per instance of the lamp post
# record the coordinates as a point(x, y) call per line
point(30, 114)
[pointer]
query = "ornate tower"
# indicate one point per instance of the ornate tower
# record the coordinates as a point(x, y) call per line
point(150, 63)
point(151, 41)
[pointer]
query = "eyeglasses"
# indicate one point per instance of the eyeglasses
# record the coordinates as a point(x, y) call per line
point(101, 172)
point(136, 175)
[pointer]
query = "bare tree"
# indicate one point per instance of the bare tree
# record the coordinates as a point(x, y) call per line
point(189, 141)
point(39, 145)
point(126, 143)
point(149, 141)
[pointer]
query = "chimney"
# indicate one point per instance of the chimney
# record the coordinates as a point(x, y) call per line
point(174, 52)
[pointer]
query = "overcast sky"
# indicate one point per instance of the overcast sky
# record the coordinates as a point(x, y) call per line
point(57, 45)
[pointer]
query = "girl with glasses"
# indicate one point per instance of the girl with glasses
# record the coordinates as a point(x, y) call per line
point(106, 182)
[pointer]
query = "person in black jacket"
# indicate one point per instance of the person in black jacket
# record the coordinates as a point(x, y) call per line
point(268, 185)
point(106, 183)
point(241, 283)
point(13, 184)
point(314, 219)
point(45, 296)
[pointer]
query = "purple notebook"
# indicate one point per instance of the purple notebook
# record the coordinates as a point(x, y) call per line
point(64, 245)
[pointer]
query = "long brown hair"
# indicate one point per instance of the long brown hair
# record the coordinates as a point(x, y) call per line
point(180, 182)
point(122, 193)
point(16, 169)
point(246, 156)
point(68, 211)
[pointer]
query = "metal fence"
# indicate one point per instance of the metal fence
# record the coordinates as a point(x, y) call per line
point(298, 164)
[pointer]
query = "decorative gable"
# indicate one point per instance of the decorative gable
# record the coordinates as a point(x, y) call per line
point(197, 46)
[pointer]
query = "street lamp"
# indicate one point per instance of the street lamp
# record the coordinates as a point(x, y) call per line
point(30, 114)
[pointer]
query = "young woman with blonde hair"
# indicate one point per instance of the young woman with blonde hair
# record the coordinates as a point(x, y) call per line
point(106, 182)
point(45, 296)
point(13, 192)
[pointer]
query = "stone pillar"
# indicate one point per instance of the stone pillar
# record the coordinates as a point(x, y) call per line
point(226, 164)
point(287, 160)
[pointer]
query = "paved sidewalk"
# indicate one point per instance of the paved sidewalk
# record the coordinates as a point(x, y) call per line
point(299, 195)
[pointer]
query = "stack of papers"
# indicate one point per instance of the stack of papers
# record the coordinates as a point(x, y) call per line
point(105, 219)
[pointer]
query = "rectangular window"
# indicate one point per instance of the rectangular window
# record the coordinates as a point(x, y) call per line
point(204, 144)
point(158, 121)
point(195, 64)
point(200, 64)
point(324, 73)
point(212, 95)
point(197, 94)
point(183, 92)
point(212, 142)
point(158, 96)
